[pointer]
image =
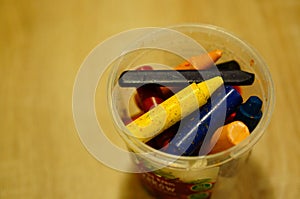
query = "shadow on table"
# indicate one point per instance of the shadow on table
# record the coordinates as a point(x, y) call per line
point(133, 188)
point(250, 183)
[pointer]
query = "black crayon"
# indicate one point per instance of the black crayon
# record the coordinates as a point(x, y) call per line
point(135, 78)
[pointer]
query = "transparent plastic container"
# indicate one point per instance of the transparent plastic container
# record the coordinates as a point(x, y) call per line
point(164, 175)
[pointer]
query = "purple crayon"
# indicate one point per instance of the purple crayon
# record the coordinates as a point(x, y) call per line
point(204, 122)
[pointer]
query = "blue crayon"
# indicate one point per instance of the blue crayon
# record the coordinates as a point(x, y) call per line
point(206, 120)
point(250, 112)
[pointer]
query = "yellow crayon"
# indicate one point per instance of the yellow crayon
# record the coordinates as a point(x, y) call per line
point(229, 136)
point(172, 110)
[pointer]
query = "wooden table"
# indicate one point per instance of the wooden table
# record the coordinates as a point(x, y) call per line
point(42, 45)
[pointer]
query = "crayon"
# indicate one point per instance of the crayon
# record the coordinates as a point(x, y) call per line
point(199, 62)
point(228, 136)
point(126, 120)
point(250, 112)
point(173, 109)
point(135, 78)
point(206, 120)
point(228, 65)
point(162, 140)
point(148, 95)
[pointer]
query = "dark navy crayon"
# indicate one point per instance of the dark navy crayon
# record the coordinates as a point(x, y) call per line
point(136, 78)
point(206, 120)
point(250, 112)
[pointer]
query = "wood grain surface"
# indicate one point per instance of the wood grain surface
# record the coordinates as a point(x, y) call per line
point(42, 45)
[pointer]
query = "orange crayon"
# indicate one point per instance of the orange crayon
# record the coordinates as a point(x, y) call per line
point(229, 136)
point(200, 62)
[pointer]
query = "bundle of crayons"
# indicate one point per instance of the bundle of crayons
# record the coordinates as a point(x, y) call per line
point(207, 114)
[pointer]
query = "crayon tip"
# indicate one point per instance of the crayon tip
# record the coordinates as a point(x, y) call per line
point(228, 136)
point(211, 85)
point(238, 132)
point(215, 55)
point(252, 106)
point(250, 112)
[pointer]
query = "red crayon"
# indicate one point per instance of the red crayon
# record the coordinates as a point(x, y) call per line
point(162, 140)
point(148, 96)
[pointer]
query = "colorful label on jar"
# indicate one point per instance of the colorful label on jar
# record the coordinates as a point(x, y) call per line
point(168, 186)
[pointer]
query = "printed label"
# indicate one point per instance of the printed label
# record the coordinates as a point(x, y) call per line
point(170, 187)
point(167, 182)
